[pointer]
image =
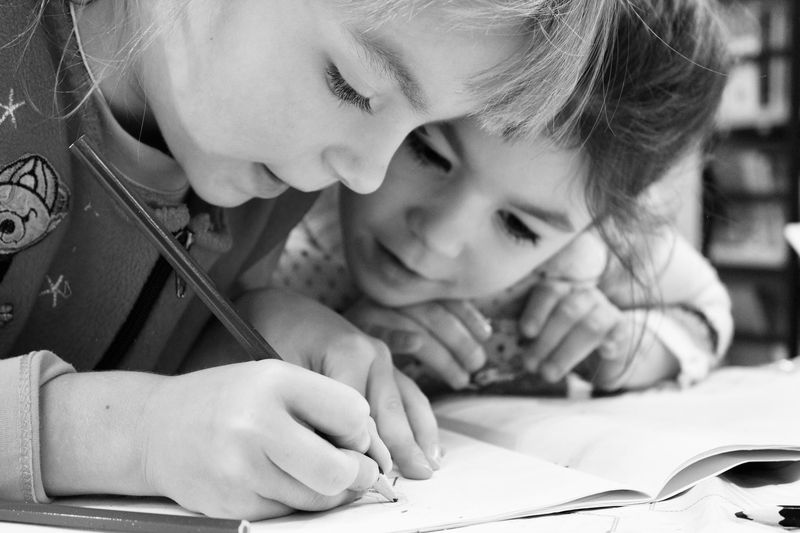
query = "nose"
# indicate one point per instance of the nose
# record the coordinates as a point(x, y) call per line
point(361, 165)
point(445, 225)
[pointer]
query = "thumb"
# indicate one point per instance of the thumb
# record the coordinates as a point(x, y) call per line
point(367, 471)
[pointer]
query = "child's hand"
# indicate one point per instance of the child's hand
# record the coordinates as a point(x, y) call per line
point(309, 334)
point(580, 329)
point(239, 441)
point(445, 336)
point(568, 324)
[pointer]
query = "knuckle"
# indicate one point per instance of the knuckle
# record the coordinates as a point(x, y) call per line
point(319, 502)
point(393, 403)
point(334, 480)
point(360, 410)
point(231, 469)
point(357, 346)
point(596, 323)
point(574, 305)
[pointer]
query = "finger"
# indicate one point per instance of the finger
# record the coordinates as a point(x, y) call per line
point(563, 319)
point(310, 459)
point(399, 341)
point(442, 364)
point(451, 332)
point(329, 407)
point(475, 322)
point(244, 507)
point(349, 357)
point(280, 491)
point(366, 474)
point(615, 358)
point(542, 299)
point(399, 332)
point(580, 342)
point(378, 450)
point(421, 417)
point(393, 423)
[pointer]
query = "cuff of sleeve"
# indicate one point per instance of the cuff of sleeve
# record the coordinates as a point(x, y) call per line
point(20, 382)
point(692, 351)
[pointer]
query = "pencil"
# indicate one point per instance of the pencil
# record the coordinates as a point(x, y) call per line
point(185, 265)
point(383, 487)
point(773, 515)
point(86, 518)
point(177, 256)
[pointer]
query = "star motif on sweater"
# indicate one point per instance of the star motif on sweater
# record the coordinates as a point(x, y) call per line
point(10, 108)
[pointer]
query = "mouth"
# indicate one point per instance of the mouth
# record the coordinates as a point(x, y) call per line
point(269, 184)
point(394, 267)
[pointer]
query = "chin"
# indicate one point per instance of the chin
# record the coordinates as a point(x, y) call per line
point(221, 198)
point(386, 296)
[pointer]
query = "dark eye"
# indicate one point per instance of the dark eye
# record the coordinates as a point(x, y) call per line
point(516, 229)
point(344, 91)
point(425, 154)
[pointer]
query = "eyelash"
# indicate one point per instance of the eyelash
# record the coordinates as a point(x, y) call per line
point(344, 91)
point(510, 223)
point(426, 155)
point(514, 228)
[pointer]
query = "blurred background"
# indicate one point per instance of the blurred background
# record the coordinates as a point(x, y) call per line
point(735, 200)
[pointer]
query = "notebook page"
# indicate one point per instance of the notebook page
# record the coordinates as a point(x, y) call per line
point(477, 483)
point(640, 440)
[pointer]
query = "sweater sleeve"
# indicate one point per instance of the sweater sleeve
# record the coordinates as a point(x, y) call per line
point(686, 307)
point(20, 380)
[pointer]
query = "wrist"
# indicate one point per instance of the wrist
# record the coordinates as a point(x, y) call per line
point(91, 433)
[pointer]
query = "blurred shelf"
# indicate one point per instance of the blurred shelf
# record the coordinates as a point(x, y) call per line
point(752, 178)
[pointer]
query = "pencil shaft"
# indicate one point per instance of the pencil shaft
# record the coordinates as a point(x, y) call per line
point(183, 263)
point(780, 515)
point(85, 518)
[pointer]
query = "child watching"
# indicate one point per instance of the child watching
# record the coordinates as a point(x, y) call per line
point(213, 110)
point(464, 215)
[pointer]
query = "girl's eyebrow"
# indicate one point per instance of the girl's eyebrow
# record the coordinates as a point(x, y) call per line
point(551, 217)
point(387, 58)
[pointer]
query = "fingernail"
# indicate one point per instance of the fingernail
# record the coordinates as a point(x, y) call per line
point(530, 329)
point(550, 372)
point(486, 328)
point(422, 469)
point(531, 365)
point(460, 381)
point(477, 359)
point(434, 454)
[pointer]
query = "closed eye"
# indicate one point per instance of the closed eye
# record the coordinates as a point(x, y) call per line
point(425, 153)
point(344, 91)
point(516, 229)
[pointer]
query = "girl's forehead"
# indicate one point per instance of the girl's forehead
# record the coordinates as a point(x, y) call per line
point(533, 169)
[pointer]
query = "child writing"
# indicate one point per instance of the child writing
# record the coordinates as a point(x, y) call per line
point(464, 215)
point(219, 114)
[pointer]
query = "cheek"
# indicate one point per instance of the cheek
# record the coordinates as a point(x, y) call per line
point(497, 268)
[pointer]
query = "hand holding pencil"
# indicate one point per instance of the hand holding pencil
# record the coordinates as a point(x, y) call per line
point(258, 439)
point(245, 445)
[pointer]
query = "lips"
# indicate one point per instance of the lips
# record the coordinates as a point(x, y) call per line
point(390, 257)
point(396, 266)
point(270, 185)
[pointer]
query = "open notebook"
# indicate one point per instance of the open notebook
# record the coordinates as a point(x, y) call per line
point(511, 457)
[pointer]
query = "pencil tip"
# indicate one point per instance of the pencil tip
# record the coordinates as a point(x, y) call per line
point(740, 514)
point(382, 487)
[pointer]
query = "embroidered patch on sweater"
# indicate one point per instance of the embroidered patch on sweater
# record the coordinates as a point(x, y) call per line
point(33, 201)
point(9, 109)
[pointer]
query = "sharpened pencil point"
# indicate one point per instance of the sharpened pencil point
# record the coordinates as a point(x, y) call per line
point(740, 514)
point(384, 488)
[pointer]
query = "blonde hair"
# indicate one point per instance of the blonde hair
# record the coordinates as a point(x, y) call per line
point(527, 94)
point(557, 64)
